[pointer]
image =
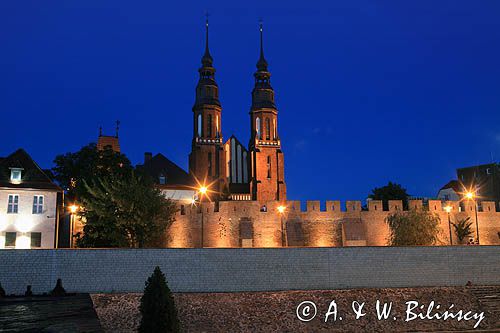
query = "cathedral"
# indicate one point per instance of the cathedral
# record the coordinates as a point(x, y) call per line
point(228, 168)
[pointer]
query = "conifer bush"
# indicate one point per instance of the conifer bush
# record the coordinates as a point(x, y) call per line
point(59, 290)
point(158, 310)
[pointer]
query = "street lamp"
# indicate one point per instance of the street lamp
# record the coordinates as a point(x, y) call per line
point(72, 210)
point(202, 190)
point(448, 210)
point(471, 196)
point(281, 210)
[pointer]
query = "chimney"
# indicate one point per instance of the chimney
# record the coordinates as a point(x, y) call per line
point(147, 157)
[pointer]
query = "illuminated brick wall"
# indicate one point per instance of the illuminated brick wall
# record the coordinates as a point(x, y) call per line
point(319, 225)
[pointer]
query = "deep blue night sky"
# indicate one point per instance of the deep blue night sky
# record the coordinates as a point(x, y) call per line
point(368, 91)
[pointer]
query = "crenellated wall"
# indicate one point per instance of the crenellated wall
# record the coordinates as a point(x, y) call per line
point(250, 223)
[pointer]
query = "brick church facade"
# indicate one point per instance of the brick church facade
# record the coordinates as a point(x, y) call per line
point(253, 173)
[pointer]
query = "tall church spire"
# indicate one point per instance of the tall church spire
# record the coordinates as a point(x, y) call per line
point(206, 60)
point(262, 63)
point(263, 94)
point(207, 91)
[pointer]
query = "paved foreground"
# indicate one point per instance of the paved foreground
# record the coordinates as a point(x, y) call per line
point(71, 314)
point(276, 311)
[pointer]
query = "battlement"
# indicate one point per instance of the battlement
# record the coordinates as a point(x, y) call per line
point(333, 206)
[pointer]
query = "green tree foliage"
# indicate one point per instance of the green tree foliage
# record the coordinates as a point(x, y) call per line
point(391, 191)
point(158, 310)
point(463, 228)
point(125, 211)
point(413, 227)
point(72, 170)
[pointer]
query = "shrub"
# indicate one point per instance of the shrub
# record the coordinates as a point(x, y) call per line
point(413, 227)
point(58, 291)
point(463, 228)
point(157, 306)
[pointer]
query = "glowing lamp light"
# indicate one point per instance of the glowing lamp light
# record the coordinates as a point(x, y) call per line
point(73, 209)
point(447, 209)
point(469, 195)
point(281, 209)
point(203, 190)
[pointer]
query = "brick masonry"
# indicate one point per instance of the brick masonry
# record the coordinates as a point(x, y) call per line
point(232, 270)
point(321, 224)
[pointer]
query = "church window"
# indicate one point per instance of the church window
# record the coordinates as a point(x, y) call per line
point(217, 126)
point(268, 129)
point(200, 126)
point(269, 167)
point(274, 129)
point(240, 169)
point(209, 126)
point(257, 128)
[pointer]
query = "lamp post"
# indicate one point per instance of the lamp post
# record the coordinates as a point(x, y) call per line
point(202, 191)
point(281, 211)
point(448, 210)
point(72, 211)
point(471, 196)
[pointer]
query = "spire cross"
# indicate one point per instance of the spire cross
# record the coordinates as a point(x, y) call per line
point(261, 39)
point(206, 25)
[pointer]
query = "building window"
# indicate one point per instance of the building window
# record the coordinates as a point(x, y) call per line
point(13, 205)
point(209, 126)
point(269, 167)
point(268, 129)
point(36, 239)
point(162, 179)
point(257, 128)
point(15, 174)
point(38, 204)
point(10, 239)
point(200, 126)
point(274, 129)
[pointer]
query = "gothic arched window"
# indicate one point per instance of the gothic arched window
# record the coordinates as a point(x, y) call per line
point(200, 126)
point(257, 128)
point(268, 129)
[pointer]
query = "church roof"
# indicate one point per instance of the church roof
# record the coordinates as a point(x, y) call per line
point(32, 176)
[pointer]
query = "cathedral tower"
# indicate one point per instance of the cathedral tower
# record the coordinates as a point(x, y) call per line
point(267, 162)
point(207, 159)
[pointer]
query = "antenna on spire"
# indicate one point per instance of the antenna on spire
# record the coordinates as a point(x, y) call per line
point(117, 127)
point(100, 130)
point(206, 25)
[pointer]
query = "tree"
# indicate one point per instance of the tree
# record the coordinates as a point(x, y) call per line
point(391, 191)
point(72, 170)
point(413, 227)
point(158, 310)
point(124, 211)
point(463, 228)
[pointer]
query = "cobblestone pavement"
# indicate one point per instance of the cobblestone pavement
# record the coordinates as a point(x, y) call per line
point(276, 311)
